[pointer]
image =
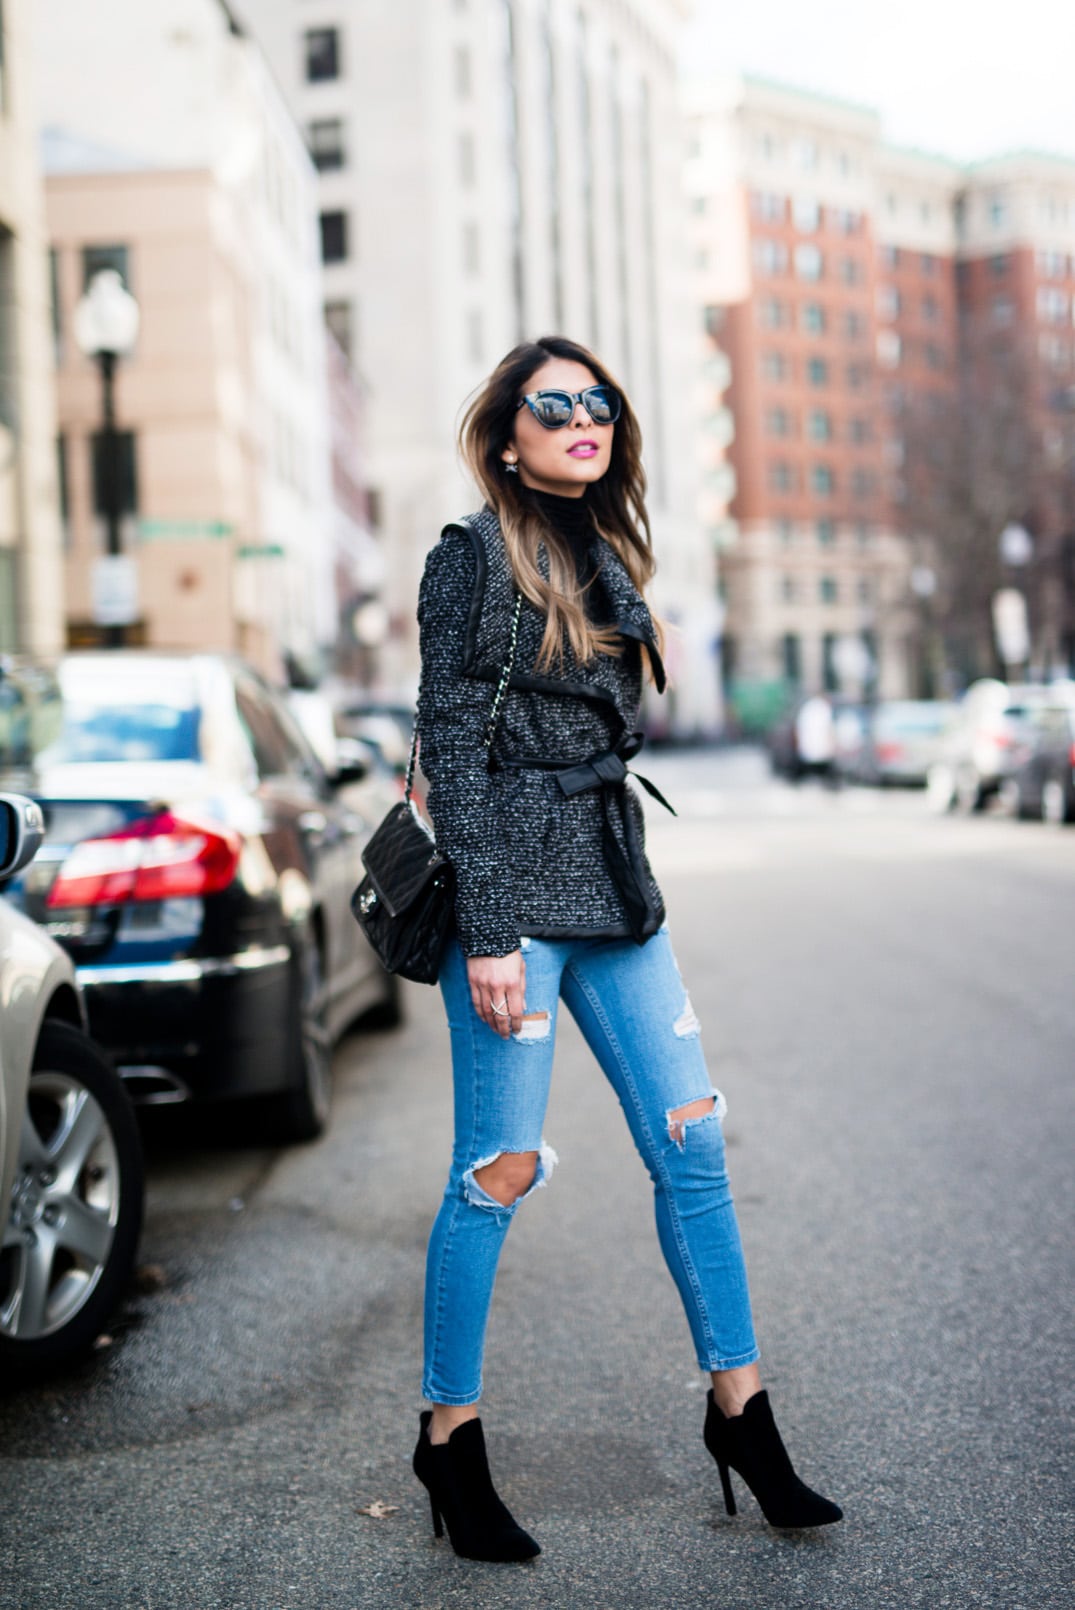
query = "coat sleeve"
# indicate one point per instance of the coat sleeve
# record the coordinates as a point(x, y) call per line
point(463, 798)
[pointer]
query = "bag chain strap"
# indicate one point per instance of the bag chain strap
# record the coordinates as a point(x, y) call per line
point(494, 712)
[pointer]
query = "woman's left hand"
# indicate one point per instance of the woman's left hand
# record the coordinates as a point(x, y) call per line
point(497, 985)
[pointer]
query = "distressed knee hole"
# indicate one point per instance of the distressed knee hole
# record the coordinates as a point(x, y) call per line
point(687, 1026)
point(703, 1110)
point(535, 1026)
point(502, 1181)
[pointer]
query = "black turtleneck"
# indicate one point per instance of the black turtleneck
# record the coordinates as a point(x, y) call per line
point(570, 519)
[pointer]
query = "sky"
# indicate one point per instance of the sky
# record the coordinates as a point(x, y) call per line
point(967, 80)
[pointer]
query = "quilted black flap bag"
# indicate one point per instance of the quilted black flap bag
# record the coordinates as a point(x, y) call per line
point(405, 902)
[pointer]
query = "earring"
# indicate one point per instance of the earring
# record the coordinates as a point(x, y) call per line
point(511, 465)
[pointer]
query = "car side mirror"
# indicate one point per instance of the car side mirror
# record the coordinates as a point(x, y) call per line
point(354, 760)
point(22, 828)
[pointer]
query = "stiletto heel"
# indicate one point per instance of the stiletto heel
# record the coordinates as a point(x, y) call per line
point(462, 1496)
point(726, 1483)
point(750, 1444)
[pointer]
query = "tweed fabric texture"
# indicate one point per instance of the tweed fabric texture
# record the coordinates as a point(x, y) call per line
point(528, 859)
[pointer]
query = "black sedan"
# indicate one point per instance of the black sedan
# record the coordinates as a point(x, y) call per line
point(197, 867)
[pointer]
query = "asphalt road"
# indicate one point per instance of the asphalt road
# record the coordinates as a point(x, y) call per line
point(887, 1003)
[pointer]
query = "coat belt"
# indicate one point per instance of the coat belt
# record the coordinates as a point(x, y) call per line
point(607, 770)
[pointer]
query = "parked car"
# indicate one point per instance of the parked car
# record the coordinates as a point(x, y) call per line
point(987, 738)
point(1042, 782)
point(902, 740)
point(198, 866)
point(384, 723)
point(70, 1157)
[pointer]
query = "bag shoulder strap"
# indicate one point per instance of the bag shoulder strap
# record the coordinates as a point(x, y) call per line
point(498, 697)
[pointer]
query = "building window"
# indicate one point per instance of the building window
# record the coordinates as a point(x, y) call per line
point(888, 302)
point(998, 266)
point(778, 422)
point(770, 256)
point(787, 589)
point(828, 662)
point(861, 483)
point(806, 214)
point(700, 204)
point(822, 480)
point(1052, 265)
point(334, 237)
point(792, 657)
point(773, 313)
point(1052, 305)
point(804, 153)
point(96, 258)
point(325, 140)
point(819, 425)
point(864, 589)
point(62, 488)
point(934, 355)
point(766, 207)
point(889, 256)
point(56, 307)
point(463, 78)
point(828, 591)
point(786, 532)
point(850, 271)
point(857, 375)
point(927, 263)
point(808, 261)
point(859, 430)
point(817, 371)
point(812, 318)
point(774, 366)
point(340, 320)
point(467, 166)
point(888, 348)
point(863, 534)
point(322, 54)
point(471, 247)
point(854, 326)
point(826, 533)
point(998, 212)
point(780, 477)
point(843, 221)
point(931, 309)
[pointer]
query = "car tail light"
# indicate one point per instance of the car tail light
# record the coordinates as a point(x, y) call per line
point(889, 750)
point(158, 858)
point(1071, 755)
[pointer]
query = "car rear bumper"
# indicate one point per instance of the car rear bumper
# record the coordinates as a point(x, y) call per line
point(212, 1028)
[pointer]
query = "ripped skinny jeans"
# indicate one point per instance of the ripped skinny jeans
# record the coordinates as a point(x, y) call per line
point(630, 1003)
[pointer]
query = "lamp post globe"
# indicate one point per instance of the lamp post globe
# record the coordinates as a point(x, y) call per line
point(106, 328)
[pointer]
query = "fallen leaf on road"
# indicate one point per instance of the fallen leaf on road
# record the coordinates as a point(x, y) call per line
point(377, 1510)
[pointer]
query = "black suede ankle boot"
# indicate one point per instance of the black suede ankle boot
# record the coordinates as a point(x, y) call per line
point(750, 1444)
point(462, 1496)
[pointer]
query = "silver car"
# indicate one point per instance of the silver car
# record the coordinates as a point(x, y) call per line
point(71, 1180)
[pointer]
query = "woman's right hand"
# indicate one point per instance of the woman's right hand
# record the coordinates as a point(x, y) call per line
point(499, 979)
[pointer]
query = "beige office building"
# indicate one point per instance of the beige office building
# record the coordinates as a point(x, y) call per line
point(31, 607)
point(172, 158)
point(493, 170)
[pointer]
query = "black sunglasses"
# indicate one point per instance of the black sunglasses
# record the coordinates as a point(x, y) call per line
point(554, 409)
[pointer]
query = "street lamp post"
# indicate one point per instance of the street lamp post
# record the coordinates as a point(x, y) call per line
point(106, 328)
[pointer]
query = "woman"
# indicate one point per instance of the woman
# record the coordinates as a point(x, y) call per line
point(555, 901)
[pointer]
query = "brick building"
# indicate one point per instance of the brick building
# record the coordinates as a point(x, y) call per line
point(841, 278)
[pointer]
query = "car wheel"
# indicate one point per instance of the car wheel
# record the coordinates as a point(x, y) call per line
point(302, 1111)
point(76, 1208)
point(1054, 805)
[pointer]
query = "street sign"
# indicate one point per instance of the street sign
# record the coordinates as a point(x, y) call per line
point(260, 550)
point(114, 590)
point(177, 530)
point(1010, 625)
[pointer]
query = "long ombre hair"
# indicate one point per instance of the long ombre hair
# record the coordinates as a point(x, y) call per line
point(616, 502)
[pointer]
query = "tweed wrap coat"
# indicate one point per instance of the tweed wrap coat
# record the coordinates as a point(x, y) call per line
point(543, 830)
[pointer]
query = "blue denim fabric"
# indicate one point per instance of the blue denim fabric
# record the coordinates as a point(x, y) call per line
point(631, 1005)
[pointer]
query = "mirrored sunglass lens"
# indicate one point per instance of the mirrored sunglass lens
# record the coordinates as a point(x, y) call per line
point(554, 407)
point(602, 404)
